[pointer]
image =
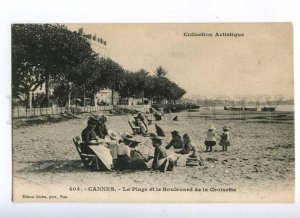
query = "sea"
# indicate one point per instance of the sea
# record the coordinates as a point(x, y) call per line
point(283, 108)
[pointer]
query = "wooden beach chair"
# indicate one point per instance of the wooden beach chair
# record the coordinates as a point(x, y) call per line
point(89, 160)
point(135, 129)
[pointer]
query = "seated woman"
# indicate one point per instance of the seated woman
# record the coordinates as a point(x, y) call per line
point(139, 123)
point(157, 115)
point(141, 117)
point(90, 139)
point(176, 141)
point(100, 128)
point(161, 161)
point(127, 159)
point(89, 136)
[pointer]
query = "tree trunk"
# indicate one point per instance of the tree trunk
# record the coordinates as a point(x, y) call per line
point(84, 95)
point(29, 99)
point(112, 97)
point(95, 99)
point(47, 88)
point(69, 99)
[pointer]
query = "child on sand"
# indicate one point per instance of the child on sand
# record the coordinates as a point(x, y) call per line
point(210, 140)
point(161, 160)
point(224, 142)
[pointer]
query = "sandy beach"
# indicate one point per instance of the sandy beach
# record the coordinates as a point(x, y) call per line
point(260, 164)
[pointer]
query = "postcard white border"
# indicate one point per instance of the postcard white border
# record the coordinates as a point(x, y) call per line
point(132, 11)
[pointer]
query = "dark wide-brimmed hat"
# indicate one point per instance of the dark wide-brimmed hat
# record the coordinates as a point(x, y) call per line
point(136, 116)
point(176, 133)
point(92, 120)
point(129, 137)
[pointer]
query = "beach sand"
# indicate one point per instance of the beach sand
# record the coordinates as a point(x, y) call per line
point(259, 165)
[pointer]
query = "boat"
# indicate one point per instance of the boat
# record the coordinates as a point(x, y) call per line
point(250, 108)
point(236, 108)
point(233, 108)
point(269, 109)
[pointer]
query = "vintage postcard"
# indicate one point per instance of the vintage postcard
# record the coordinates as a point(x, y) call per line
point(153, 113)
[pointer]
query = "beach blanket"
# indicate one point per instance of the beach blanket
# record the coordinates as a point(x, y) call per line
point(104, 155)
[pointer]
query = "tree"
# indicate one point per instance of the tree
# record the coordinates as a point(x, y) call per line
point(160, 72)
point(149, 89)
point(51, 49)
point(113, 77)
point(141, 77)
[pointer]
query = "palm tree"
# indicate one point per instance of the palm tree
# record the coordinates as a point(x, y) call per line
point(141, 77)
point(161, 72)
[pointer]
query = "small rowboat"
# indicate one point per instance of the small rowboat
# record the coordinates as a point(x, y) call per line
point(270, 109)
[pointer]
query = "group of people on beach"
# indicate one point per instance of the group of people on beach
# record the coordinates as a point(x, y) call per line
point(124, 148)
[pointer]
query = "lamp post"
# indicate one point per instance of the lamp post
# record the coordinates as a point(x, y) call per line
point(69, 97)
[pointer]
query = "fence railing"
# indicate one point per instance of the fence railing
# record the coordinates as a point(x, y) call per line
point(29, 112)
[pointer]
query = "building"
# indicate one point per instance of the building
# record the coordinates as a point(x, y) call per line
point(101, 48)
point(104, 97)
point(99, 45)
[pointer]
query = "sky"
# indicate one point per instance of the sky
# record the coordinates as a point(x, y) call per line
point(260, 63)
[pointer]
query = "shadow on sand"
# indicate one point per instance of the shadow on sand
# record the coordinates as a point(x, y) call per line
point(55, 166)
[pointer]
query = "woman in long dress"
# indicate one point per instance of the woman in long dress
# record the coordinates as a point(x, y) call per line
point(127, 159)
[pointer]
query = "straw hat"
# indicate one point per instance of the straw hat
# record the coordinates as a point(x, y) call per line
point(212, 127)
point(112, 134)
point(155, 137)
point(129, 137)
point(226, 128)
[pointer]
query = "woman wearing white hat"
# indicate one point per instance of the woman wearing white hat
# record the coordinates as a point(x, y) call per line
point(112, 144)
point(210, 140)
point(125, 160)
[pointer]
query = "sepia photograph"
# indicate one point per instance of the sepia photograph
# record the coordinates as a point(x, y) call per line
point(153, 113)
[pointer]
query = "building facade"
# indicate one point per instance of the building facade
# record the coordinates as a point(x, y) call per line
point(101, 48)
point(98, 44)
